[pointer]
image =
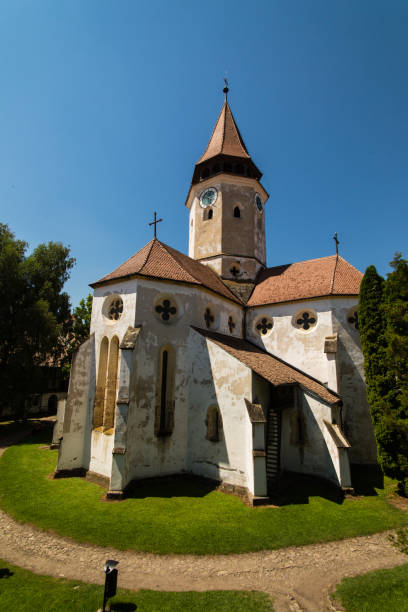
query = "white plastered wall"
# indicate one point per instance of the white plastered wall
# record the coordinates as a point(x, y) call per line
point(350, 366)
point(101, 444)
point(148, 455)
point(317, 456)
point(219, 379)
point(300, 348)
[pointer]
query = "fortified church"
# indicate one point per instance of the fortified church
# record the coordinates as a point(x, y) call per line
point(214, 364)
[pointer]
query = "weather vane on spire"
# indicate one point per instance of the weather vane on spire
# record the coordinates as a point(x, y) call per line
point(337, 242)
point(226, 89)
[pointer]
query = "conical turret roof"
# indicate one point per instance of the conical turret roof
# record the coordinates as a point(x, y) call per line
point(226, 151)
point(226, 138)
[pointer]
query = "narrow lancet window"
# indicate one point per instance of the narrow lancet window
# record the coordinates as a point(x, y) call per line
point(101, 384)
point(214, 424)
point(237, 212)
point(111, 386)
point(164, 423)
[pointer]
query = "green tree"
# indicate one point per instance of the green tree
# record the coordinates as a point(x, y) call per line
point(34, 314)
point(383, 322)
point(395, 309)
point(79, 331)
point(371, 323)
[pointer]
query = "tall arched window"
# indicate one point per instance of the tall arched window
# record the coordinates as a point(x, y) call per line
point(111, 385)
point(101, 384)
point(214, 424)
point(237, 212)
point(164, 422)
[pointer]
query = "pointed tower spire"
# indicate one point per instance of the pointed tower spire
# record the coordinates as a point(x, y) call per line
point(226, 150)
point(226, 201)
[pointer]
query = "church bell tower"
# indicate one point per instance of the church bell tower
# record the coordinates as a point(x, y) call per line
point(226, 202)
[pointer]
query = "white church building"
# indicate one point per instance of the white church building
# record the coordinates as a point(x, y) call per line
point(215, 365)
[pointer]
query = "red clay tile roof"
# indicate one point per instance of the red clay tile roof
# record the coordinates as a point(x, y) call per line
point(306, 279)
point(268, 366)
point(225, 139)
point(157, 260)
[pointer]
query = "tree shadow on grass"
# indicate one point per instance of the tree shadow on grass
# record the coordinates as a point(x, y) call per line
point(170, 486)
point(5, 573)
point(119, 606)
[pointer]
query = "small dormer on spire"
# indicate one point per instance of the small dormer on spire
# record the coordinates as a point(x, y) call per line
point(226, 151)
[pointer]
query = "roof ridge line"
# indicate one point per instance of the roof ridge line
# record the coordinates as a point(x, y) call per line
point(225, 105)
point(148, 254)
point(206, 267)
point(212, 134)
point(292, 366)
point(166, 248)
point(334, 274)
point(271, 355)
point(292, 263)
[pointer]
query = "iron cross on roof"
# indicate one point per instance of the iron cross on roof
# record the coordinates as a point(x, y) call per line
point(155, 222)
point(336, 240)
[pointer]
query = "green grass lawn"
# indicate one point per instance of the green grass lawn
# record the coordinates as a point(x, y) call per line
point(383, 590)
point(22, 591)
point(162, 519)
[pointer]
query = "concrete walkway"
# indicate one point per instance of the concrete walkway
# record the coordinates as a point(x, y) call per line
point(299, 578)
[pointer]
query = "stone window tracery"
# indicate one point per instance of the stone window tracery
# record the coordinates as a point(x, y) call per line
point(166, 309)
point(106, 386)
point(264, 326)
point(114, 309)
point(235, 270)
point(305, 320)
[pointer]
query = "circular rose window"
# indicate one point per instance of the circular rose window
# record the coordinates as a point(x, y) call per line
point(264, 326)
point(305, 320)
point(115, 309)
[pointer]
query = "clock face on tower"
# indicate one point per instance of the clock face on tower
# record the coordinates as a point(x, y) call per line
point(208, 197)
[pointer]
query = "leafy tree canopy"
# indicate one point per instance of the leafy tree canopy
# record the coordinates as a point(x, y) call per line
point(79, 331)
point(383, 318)
point(34, 313)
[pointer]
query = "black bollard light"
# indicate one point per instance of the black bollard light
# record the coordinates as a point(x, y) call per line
point(111, 581)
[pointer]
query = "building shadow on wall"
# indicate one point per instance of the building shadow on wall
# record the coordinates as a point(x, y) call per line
point(177, 485)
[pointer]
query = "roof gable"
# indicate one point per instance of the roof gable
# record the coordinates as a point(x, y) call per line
point(157, 260)
point(321, 277)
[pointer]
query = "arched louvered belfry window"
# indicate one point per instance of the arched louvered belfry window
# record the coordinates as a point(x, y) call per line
point(164, 421)
point(101, 384)
point(111, 386)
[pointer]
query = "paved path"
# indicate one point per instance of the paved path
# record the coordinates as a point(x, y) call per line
point(299, 578)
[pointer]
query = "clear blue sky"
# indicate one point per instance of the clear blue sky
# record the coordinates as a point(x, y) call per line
point(106, 106)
